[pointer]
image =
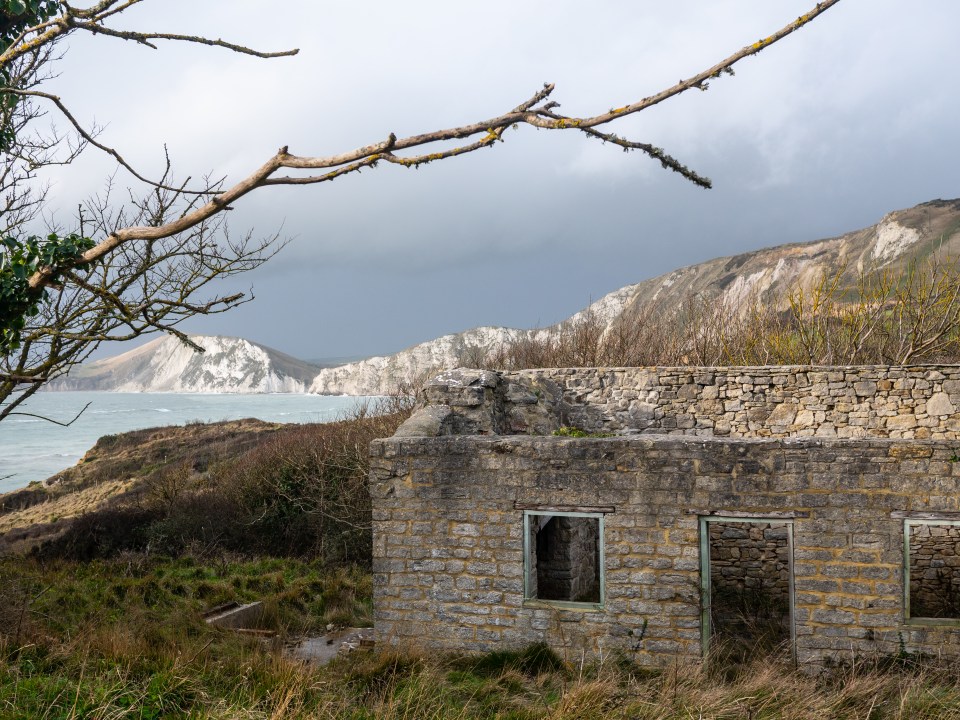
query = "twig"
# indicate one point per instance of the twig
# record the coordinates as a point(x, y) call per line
point(55, 422)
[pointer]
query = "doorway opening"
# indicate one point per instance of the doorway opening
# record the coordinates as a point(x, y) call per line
point(746, 585)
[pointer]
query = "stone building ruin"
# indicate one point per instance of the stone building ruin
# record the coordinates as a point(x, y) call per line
point(812, 507)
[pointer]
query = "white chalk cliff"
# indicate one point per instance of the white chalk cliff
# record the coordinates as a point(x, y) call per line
point(227, 365)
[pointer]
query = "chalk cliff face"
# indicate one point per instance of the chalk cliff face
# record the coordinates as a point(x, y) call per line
point(898, 239)
point(384, 375)
point(228, 365)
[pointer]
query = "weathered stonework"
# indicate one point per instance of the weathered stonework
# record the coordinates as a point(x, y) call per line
point(920, 402)
point(449, 548)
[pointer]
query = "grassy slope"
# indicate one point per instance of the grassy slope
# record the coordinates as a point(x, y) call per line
point(122, 635)
point(125, 638)
point(116, 470)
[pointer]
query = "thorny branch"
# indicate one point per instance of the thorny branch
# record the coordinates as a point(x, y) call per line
point(531, 112)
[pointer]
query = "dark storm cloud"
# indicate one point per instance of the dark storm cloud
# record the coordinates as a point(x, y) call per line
point(823, 133)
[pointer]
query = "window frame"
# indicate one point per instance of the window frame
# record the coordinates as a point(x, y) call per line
point(908, 619)
point(529, 601)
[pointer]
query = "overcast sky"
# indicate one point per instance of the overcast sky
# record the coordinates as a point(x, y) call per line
point(825, 132)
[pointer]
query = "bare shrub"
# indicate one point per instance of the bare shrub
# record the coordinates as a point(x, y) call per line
point(883, 317)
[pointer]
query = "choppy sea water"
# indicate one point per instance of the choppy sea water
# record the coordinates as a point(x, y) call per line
point(34, 449)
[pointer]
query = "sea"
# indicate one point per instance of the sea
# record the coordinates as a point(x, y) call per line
point(32, 448)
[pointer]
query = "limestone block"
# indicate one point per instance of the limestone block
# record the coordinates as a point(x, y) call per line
point(430, 421)
point(901, 422)
point(782, 414)
point(939, 405)
point(804, 419)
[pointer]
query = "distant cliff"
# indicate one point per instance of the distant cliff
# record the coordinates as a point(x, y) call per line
point(234, 365)
point(228, 365)
point(899, 238)
point(392, 373)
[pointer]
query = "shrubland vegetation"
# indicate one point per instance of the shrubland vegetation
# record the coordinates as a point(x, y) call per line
point(297, 491)
point(885, 317)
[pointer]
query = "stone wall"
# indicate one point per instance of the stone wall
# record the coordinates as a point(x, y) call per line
point(448, 536)
point(920, 402)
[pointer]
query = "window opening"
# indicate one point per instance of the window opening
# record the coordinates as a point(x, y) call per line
point(563, 558)
point(746, 585)
point(932, 571)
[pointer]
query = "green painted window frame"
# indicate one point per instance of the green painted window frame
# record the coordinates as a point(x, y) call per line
point(527, 549)
point(907, 618)
point(706, 629)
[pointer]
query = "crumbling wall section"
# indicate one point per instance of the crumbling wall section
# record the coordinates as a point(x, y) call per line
point(848, 402)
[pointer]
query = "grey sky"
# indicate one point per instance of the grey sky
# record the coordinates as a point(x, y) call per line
point(823, 133)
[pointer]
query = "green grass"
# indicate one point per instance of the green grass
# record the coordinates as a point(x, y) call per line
point(125, 638)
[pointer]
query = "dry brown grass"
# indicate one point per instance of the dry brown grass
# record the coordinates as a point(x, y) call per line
point(64, 507)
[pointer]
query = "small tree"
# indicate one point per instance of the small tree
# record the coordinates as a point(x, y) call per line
point(121, 273)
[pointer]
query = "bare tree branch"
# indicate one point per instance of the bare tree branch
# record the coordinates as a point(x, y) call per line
point(22, 378)
point(92, 20)
point(528, 112)
point(144, 38)
point(90, 139)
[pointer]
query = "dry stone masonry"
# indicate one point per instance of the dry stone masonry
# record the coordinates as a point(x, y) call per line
point(921, 402)
point(808, 484)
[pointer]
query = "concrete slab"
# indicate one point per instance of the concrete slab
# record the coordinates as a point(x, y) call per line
point(235, 615)
point(324, 648)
